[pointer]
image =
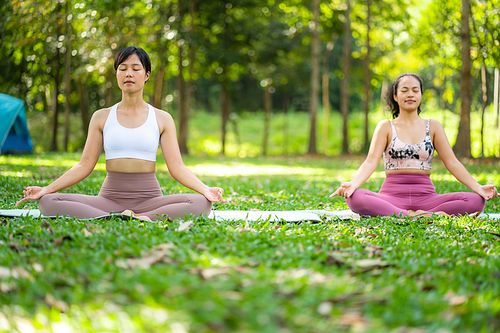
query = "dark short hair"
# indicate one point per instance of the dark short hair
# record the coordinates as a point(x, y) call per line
point(128, 51)
point(391, 102)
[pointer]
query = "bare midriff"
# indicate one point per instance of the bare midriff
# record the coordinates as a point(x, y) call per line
point(130, 165)
point(422, 172)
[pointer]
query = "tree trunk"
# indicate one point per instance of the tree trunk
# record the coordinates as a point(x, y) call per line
point(495, 98)
point(183, 116)
point(344, 92)
point(368, 78)
point(285, 121)
point(484, 84)
point(84, 106)
point(55, 103)
point(462, 144)
point(496, 105)
point(326, 98)
point(160, 78)
point(267, 119)
point(225, 114)
point(67, 75)
point(314, 78)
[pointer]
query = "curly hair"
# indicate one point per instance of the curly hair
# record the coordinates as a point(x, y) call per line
point(392, 91)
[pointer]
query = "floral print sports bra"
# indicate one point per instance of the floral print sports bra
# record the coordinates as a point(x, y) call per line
point(400, 155)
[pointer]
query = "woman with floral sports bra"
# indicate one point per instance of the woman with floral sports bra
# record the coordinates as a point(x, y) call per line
point(407, 144)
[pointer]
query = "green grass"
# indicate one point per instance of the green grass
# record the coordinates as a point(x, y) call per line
point(372, 275)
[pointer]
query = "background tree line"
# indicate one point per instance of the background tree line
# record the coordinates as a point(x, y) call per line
point(243, 55)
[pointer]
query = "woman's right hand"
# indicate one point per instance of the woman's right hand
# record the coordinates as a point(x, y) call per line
point(32, 193)
point(345, 190)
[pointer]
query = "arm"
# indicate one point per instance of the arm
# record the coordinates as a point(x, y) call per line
point(81, 170)
point(442, 146)
point(175, 165)
point(377, 147)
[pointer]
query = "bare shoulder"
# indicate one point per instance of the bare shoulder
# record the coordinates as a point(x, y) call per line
point(164, 119)
point(99, 117)
point(435, 126)
point(163, 116)
point(384, 126)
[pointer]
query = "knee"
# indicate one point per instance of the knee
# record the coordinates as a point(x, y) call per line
point(200, 204)
point(45, 203)
point(357, 201)
point(476, 203)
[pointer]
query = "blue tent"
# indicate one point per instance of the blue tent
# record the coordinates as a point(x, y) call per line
point(14, 135)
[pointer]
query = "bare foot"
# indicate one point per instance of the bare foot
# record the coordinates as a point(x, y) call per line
point(423, 213)
point(474, 215)
point(139, 216)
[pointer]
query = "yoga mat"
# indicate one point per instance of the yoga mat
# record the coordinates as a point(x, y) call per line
point(37, 213)
point(232, 215)
point(222, 215)
point(287, 215)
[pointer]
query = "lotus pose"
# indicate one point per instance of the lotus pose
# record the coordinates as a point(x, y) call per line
point(130, 132)
point(407, 144)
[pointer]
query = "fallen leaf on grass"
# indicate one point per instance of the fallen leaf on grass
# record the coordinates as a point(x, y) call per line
point(165, 246)
point(4, 272)
point(86, 232)
point(255, 199)
point(60, 240)
point(343, 298)
point(494, 234)
point(325, 308)
point(48, 226)
point(201, 247)
point(353, 319)
point(231, 295)
point(57, 303)
point(6, 287)
point(333, 259)
point(207, 273)
point(21, 272)
point(455, 299)
point(185, 226)
point(142, 262)
point(15, 246)
point(371, 263)
point(37, 267)
point(404, 329)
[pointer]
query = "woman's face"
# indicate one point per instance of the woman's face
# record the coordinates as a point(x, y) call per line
point(408, 94)
point(131, 75)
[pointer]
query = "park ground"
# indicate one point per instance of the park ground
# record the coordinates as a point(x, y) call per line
point(438, 274)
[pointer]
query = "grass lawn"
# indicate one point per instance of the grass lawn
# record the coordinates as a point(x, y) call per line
point(371, 275)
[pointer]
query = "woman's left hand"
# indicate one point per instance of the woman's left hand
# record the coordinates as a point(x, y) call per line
point(214, 194)
point(487, 191)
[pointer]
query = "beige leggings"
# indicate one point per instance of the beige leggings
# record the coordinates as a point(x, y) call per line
point(139, 192)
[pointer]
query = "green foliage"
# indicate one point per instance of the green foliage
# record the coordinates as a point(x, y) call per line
point(370, 275)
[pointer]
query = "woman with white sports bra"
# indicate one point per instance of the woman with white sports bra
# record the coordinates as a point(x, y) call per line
point(407, 144)
point(130, 132)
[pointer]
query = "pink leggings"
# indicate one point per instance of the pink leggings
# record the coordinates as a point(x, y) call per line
point(402, 192)
point(139, 192)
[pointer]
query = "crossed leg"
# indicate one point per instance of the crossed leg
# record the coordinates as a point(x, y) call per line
point(87, 206)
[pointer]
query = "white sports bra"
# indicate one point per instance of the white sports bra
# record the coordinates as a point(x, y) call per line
point(138, 142)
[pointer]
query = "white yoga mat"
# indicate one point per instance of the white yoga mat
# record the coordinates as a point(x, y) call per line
point(223, 215)
point(287, 215)
point(235, 215)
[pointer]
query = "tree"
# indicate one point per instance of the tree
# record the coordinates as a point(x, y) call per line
point(315, 55)
point(344, 94)
point(368, 79)
point(462, 144)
